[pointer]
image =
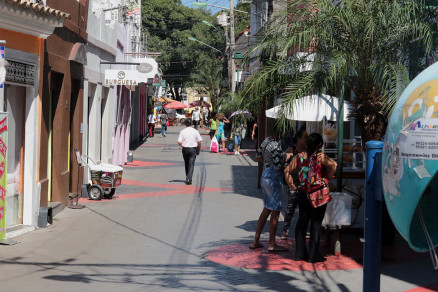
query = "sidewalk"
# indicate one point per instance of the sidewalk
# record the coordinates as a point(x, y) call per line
point(159, 234)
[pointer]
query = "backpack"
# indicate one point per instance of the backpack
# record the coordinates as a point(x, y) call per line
point(315, 180)
point(312, 181)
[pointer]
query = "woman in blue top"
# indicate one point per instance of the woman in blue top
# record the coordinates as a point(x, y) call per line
point(220, 132)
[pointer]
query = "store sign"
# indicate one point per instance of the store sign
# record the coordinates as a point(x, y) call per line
point(20, 73)
point(144, 68)
point(419, 140)
point(122, 77)
point(3, 171)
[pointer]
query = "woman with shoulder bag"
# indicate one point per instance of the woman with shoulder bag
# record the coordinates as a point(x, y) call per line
point(311, 165)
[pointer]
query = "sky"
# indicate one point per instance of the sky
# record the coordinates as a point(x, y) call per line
point(223, 3)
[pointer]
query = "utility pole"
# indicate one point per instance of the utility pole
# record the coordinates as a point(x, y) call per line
point(232, 45)
point(227, 44)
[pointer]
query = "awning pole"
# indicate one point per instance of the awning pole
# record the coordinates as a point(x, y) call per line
point(340, 139)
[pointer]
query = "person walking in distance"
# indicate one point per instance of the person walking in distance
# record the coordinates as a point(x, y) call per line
point(151, 123)
point(255, 135)
point(190, 141)
point(300, 145)
point(311, 160)
point(164, 118)
point(196, 117)
point(273, 158)
point(213, 125)
point(220, 133)
point(237, 131)
point(206, 119)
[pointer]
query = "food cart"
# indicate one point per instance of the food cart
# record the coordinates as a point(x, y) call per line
point(105, 178)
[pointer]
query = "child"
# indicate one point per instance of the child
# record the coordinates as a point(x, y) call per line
point(237, 138)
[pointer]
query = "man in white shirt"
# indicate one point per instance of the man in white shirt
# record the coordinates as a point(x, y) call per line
point(196, 116)
point(206, 119)
point(151, 124)
point(190, 141)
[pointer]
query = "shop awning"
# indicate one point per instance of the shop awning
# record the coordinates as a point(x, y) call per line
point(311, 108)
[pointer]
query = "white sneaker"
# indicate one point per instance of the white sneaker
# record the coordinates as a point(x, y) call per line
point(235, 153)
point(238, 153)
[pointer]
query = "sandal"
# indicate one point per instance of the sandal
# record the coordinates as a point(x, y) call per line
point(278, 248)
point(284, 235)
point(255, 246)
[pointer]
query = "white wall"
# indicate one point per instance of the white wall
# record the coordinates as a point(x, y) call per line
point(94, 123)
point(101, 47)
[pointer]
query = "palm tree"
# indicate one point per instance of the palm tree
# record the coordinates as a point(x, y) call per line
point(209, 77)
point(365, 45)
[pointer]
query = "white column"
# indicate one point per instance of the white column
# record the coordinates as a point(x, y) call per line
point(31, 196)
point(107, 125)
point(85, 128)
point(94, 123)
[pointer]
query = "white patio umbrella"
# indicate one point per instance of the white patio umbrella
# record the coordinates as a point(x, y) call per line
point(311, 108)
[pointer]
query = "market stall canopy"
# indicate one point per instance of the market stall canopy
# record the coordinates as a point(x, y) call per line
point(198, 103)
point(175, 104)
point(311, 108)
point(164, 99)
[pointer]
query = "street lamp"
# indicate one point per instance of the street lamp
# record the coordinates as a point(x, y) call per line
point(195, 40)
point(232, 38)
point(209, 24)
point(203, 5)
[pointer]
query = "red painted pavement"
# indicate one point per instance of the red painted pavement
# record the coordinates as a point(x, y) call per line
point(239, 255)
point(427, 288)
point(167, 190)
point(138, 163)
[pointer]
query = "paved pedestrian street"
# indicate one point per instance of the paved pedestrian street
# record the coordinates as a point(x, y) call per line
point(158, 234)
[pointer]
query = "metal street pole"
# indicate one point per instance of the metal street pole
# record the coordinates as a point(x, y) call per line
point(237, 81)
point(227, 43)
point(203, 5)
point(340, 124)
point(196, 40)
point(232, 44)
point(372, 250)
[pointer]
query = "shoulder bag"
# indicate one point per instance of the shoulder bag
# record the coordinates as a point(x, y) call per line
point(317, 188)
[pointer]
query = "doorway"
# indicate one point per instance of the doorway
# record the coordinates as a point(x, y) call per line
point(15, 102)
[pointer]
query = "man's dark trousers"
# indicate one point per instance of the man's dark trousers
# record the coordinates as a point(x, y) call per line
point(189, 154)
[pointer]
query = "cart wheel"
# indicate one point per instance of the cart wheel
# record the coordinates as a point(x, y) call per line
point(109, 192)
point(95, 192)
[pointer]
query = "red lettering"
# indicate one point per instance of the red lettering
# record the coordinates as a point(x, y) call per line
point(3, 147)
point(3, 125)
point(2, 212)
point(2, 194)
point(2, 168)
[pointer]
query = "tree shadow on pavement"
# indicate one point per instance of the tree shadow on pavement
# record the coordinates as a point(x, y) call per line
point(243, 182)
